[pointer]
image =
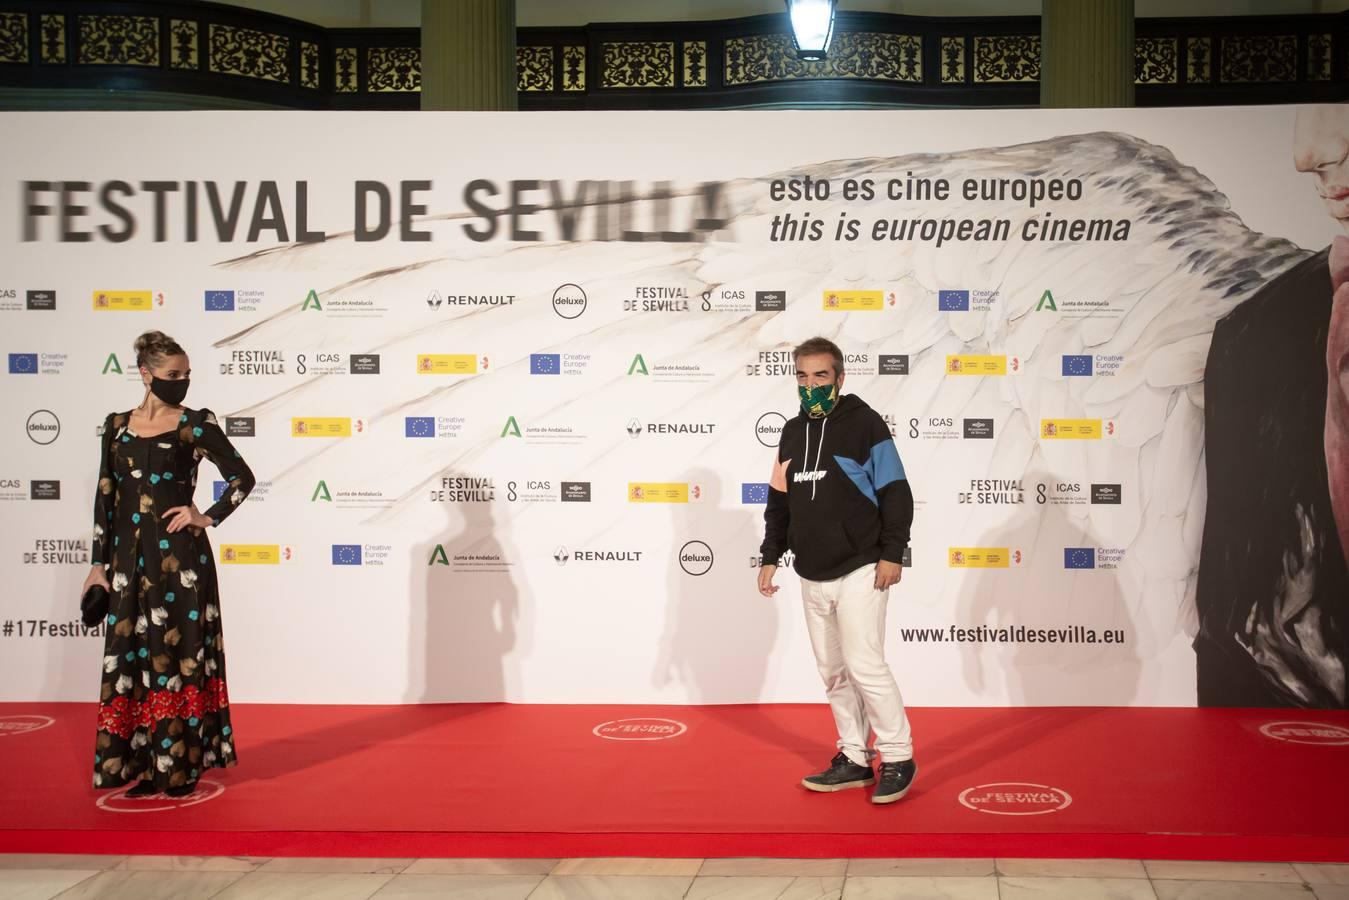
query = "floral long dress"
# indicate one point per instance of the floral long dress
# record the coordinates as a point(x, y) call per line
point(164, 710)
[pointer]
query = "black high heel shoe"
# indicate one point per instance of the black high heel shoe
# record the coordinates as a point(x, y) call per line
point(143, 788)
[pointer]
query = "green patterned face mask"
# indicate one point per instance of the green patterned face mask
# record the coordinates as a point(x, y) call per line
point(817, 401)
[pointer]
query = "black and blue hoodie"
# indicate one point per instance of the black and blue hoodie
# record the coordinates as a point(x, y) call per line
point(838, 499)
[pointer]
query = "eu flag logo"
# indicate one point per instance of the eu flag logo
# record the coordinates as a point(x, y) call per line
point(545, 363)
point(1079, 557)
point(1077, 365)
point(23, 364)
point(419, 426)
point(346, 554)
point(953, 301)
point(754, 492)
point(218, 490)
point(219, 301)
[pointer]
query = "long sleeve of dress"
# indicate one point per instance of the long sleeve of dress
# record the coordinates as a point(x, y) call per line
point(216, 448)
point(104, 499)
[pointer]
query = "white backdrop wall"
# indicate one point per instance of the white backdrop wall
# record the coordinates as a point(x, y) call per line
point(459, 593)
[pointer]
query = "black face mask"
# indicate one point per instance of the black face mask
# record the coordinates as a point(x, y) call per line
point(171, 392)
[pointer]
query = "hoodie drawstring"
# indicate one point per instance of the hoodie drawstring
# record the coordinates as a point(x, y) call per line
point(819, 453)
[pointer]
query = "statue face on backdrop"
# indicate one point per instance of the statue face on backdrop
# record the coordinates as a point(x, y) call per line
point(1321, 147)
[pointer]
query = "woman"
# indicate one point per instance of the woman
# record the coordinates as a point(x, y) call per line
point(164, 714)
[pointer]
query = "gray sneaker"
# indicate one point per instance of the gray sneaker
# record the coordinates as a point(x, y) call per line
point(896, 778)
point(842, 774)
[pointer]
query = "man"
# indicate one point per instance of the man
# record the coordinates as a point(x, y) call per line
point(1273, 592)
point(840, 502)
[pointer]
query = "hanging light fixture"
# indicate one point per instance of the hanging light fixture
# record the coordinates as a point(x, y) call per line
point(812, 26)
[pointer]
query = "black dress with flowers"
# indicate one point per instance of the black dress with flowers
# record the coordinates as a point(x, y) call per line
point(164, 711)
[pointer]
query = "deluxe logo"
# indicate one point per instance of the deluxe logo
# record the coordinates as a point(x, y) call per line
point(1315, 733)
point(1107, 493)
point(770, 301)
point(893, 364)
point(250, 554)
point(448, 364)
point(219, 301)
point(983, 557)
point(1071, 429)
point(240, 426)
point(639, 729)
point(1015, 798)
point(854, 301)
point(365, 364)
point(325, 427)
point(663, 492)
point(695, 558)
point(562, 556)
point(42, 300)
point(768, 429)
point(569, 301)
point(12, 726)
point(979, 428)
point(44, 490)
point(43, 427)
point(976, 364)
point(125, 301)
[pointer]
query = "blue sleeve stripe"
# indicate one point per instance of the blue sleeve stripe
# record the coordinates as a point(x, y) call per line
point(885, 464)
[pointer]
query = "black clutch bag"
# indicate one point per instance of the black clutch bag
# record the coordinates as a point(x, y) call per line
point(94, 605)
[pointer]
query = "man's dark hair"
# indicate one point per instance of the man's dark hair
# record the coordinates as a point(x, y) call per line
point(817, 345)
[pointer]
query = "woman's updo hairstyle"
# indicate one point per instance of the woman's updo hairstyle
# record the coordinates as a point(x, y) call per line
point(152, 348)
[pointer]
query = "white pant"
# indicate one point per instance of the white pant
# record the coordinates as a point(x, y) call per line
point(846, 620)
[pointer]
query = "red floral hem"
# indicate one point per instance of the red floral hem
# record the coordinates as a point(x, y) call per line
point(122, 715)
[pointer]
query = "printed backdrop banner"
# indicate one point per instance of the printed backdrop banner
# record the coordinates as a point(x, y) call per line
point(512, 387)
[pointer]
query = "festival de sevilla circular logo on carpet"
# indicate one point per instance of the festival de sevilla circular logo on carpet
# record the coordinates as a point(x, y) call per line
point(119, 802)
point(1015, 798)
point(1315, 733)
point(640, 729)
point(14, 725)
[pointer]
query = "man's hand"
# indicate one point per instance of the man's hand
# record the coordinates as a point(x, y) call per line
point(887, 573)
point(766, 585)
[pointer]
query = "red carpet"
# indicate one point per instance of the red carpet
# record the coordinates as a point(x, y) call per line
point(504, 780)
